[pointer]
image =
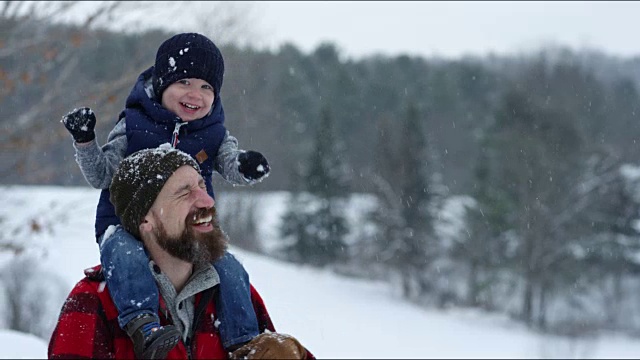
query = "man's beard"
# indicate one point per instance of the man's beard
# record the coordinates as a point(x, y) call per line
point(191, 246)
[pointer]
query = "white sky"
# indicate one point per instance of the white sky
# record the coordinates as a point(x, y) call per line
point(335, 317)
point(427, 28)
point(454, 28)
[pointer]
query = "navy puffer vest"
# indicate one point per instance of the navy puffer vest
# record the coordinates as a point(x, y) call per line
point(149, 125)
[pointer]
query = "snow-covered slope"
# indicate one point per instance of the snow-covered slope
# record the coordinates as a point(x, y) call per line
point(335, 317)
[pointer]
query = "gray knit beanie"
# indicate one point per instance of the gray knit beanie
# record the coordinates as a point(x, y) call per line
point(140, 179)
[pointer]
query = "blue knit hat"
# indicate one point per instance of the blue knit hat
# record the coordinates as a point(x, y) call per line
point(187, 55)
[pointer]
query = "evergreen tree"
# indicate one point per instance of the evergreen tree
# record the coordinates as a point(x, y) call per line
point(608, 258)
point(534, 157)
point(420, 249)
point(315, 219)
point(485, 250)
point(405, 236)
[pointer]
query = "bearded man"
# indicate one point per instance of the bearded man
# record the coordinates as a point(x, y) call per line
point(161, 198)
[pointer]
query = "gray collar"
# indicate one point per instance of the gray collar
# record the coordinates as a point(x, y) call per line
point(181, 305)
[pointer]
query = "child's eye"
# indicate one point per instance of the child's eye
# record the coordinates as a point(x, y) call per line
point(208, 87)
point(184, 82)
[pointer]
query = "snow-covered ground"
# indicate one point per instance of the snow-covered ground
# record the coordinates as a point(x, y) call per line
point(335, 317)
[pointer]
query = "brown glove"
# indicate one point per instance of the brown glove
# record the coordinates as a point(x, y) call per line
point(271, 346)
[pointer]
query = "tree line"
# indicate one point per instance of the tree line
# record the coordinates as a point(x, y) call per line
point(540, 149)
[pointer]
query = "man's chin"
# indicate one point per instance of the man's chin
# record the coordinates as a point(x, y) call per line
point(211, 244)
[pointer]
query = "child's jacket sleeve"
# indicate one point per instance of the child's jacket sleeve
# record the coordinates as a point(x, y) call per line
point(98, 164)
point(226, 161)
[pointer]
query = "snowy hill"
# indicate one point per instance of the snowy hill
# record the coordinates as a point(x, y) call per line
point(335, 317)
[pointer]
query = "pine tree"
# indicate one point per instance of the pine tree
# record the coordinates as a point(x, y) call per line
point(525, 191)
point(315, 219)
point(415, 256)
point(403, 217)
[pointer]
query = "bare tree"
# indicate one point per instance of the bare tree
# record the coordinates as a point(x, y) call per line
point(45, 72)
point(25, 33)
point(31, 90)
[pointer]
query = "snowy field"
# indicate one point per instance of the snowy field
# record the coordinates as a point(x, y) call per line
point(335, 317)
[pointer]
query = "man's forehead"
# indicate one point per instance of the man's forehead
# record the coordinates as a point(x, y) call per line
point(183, 176)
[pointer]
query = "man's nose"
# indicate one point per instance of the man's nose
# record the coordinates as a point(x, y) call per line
point(203, 199)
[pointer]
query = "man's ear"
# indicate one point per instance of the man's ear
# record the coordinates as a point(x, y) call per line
point(146, 225)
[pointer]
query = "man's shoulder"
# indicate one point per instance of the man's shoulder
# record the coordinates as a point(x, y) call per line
point(90, 294)
point(94, 273)
point(93, 282)
point(87, 325)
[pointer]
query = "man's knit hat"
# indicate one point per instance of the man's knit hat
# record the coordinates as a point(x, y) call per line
point(187, 55)
point(140, 179)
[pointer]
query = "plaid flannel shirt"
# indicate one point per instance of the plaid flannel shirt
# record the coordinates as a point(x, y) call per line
point(88, 327)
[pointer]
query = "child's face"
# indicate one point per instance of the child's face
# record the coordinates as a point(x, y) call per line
point(190, 99)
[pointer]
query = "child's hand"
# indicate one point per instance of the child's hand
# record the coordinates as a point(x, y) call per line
point(80, 123)
point(253, 165)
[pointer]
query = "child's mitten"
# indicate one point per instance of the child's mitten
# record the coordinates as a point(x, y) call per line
point(80, 123)
point(253, 165)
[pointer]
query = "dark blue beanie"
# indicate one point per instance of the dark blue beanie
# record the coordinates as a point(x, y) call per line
point(187, 55)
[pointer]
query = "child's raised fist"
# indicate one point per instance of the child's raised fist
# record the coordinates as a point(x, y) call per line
point(80, 123)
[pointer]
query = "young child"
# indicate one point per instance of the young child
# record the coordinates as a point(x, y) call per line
point(176, 101)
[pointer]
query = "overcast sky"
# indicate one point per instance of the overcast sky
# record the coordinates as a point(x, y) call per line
point(453, 28)
point(428, 28)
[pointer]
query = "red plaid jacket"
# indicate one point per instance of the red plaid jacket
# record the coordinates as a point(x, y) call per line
point(88, 327)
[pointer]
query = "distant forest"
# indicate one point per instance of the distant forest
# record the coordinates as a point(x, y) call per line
point(545, 145)
point(273, 101)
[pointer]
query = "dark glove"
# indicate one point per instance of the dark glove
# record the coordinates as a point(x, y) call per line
point(80, 123)
point(271, 346)
point(253, 165)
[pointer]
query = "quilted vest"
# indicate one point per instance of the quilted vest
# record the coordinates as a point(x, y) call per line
point(149, 125)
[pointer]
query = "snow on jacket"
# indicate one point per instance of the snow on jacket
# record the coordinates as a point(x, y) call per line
point(88, 325)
